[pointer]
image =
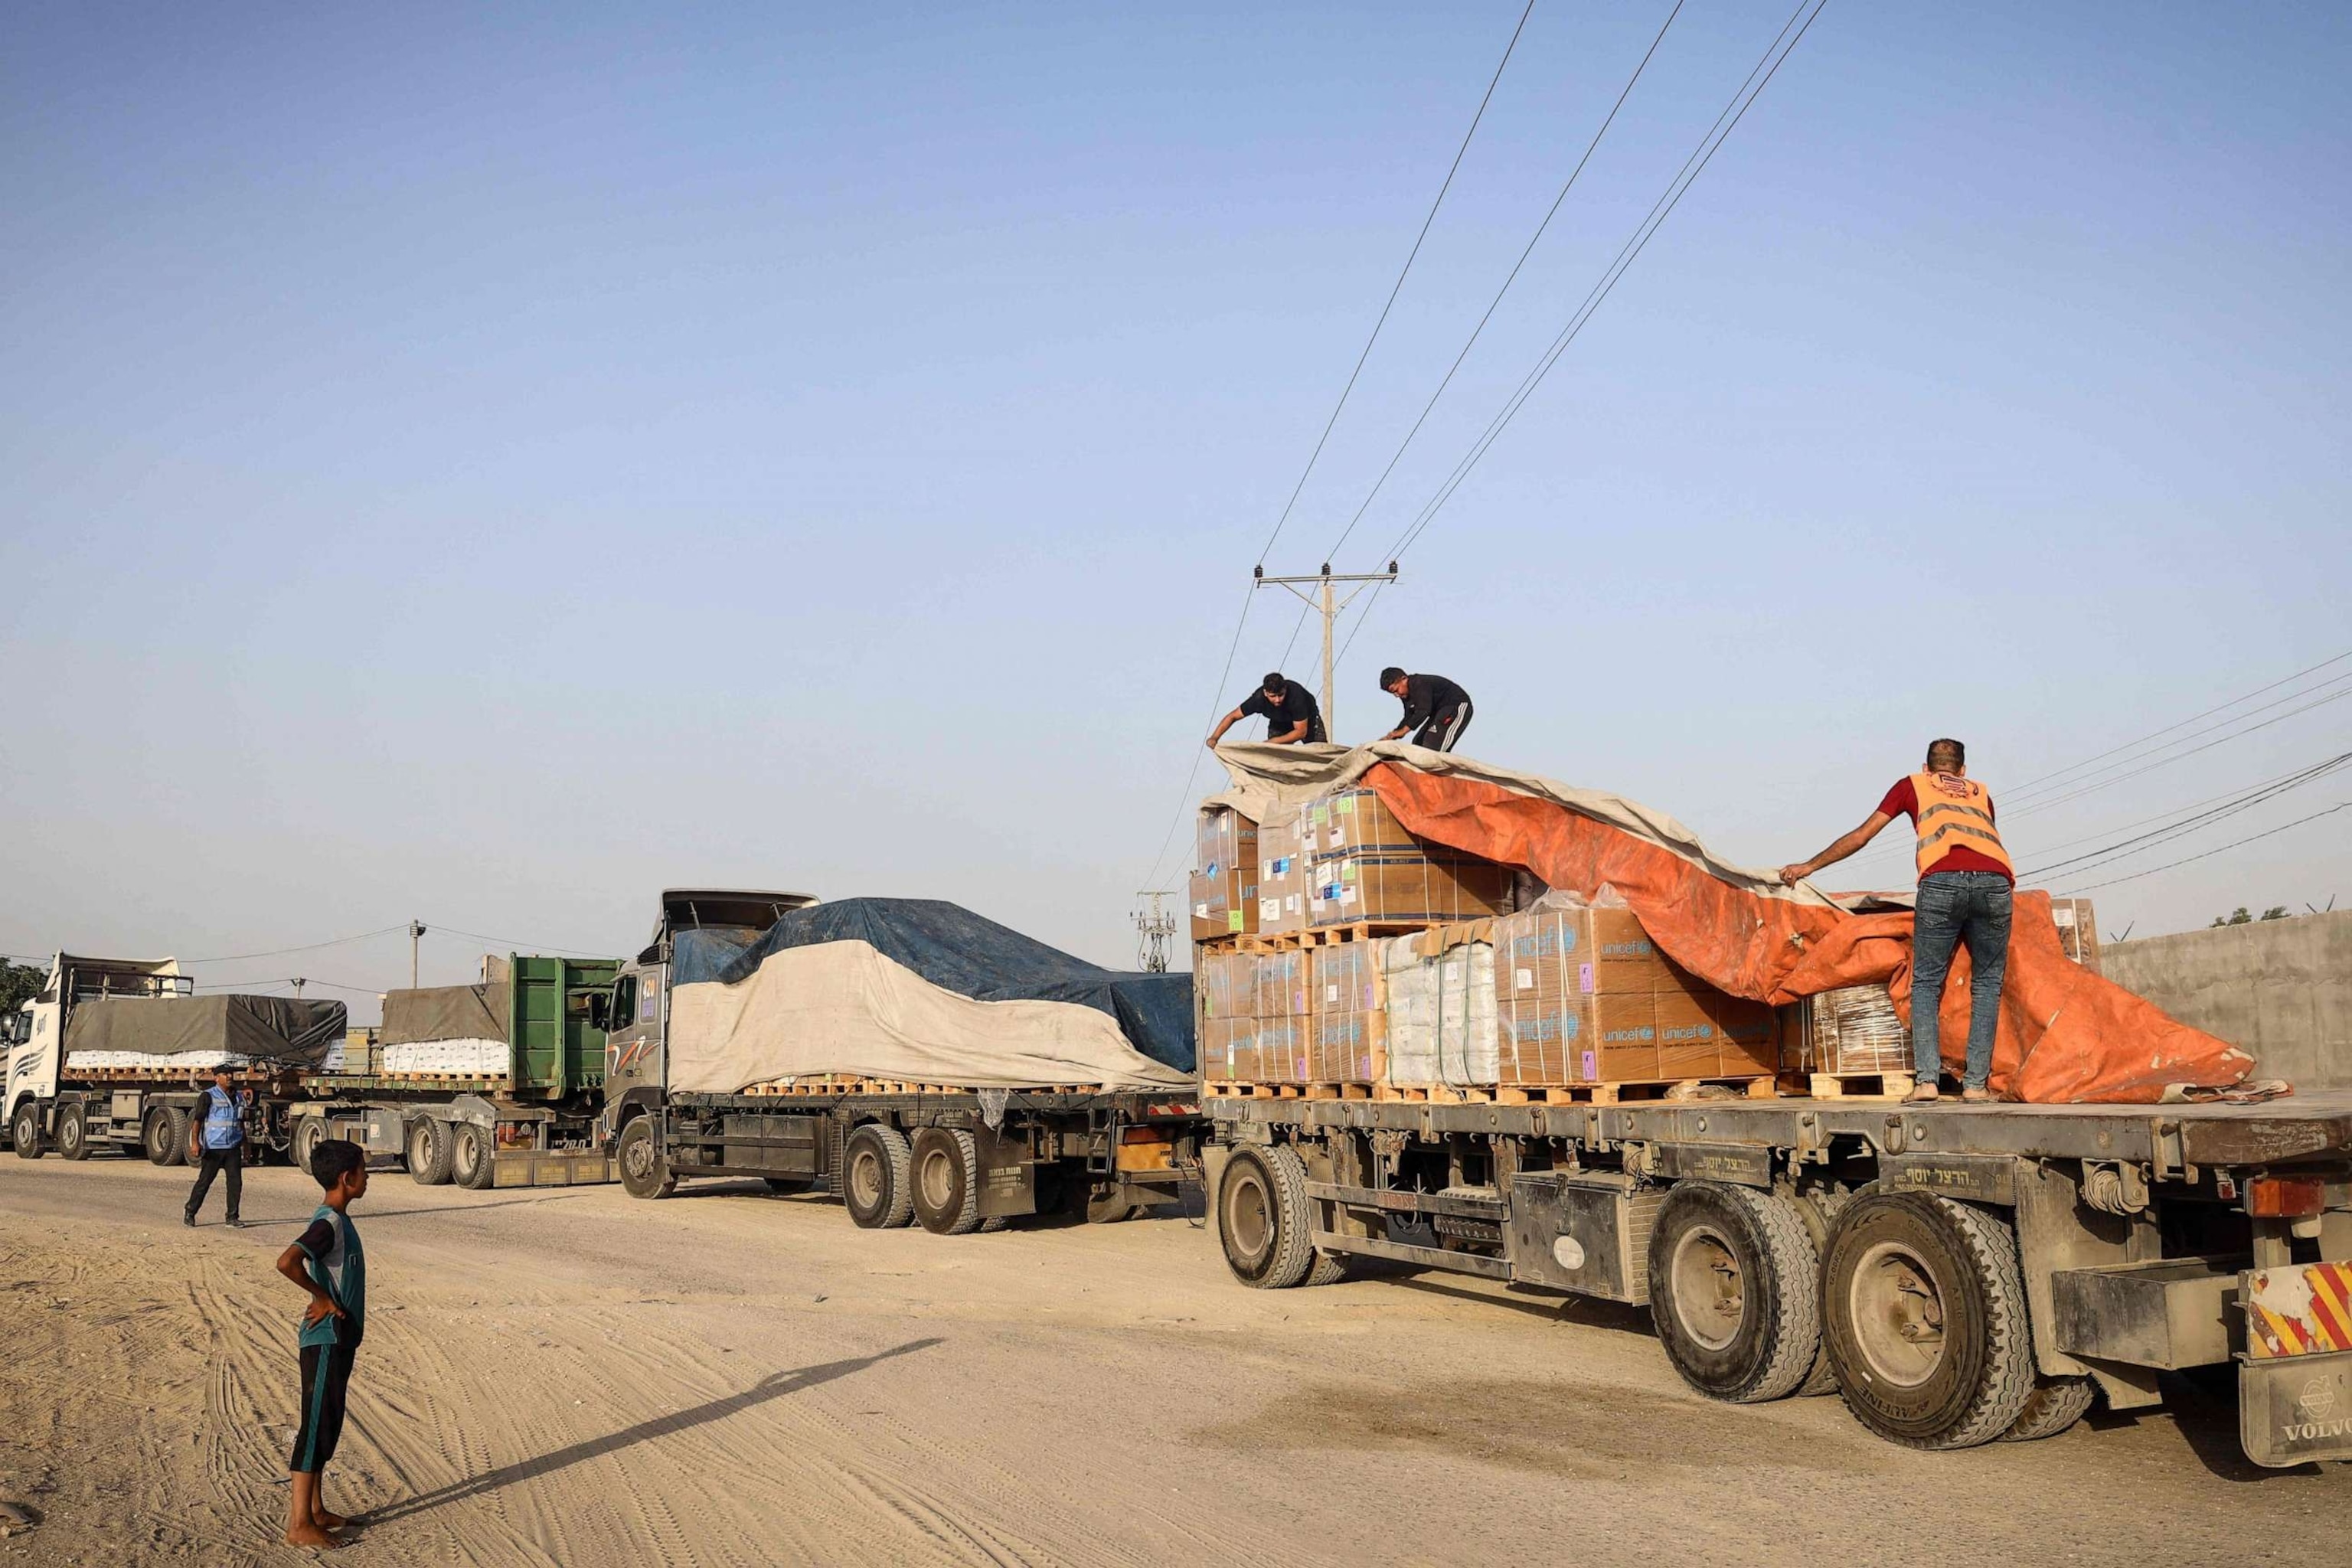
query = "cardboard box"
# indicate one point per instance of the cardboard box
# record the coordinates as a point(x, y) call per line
point(1580, 951)
point(1281, 982)
point(1350, 1047)
point(1396, 886)
point(2078, 931)
point(1749, 1034)
point(1224, 1042)
point(1223, 891)
point(1284, 1047)
point(1853, 1030)
point(1352, 819)
point(1282, 876)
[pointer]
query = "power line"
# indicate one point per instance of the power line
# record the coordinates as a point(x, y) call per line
point(1693, 167)
point(1184, 801)
point(1397, 287)
point(516, 944)
point(2208, 854)
point(2141, 843)
point(306, 947)
point(305, 979)
point(2076, 788)
point(2152, 735)
point(1492, 305)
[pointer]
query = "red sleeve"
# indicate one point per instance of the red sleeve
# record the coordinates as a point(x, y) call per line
point(1901, 801)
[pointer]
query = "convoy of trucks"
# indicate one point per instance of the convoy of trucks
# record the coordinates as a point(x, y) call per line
point(1957, 1273)
point(533, 1124)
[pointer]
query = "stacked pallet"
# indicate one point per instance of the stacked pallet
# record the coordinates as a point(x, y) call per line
point(1585, 997)
point(1223, 889)
point(1849, 1043)
point(1364, 867)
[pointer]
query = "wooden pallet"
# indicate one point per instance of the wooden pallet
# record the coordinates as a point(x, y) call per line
point(834, 1088)
point(1623, 1093)
point(1857, 1085)
point(1291, 1090)
point(1322, 936)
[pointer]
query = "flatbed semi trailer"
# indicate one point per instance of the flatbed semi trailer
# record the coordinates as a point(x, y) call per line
point(950, 1160)
point(1958, 1273)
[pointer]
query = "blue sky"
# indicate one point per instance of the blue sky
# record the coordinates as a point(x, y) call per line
point(486, 469)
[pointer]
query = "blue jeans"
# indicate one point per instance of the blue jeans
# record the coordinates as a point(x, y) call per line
point(1958, 907)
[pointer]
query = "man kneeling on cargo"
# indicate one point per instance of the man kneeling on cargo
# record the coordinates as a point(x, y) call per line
point(1965, 883)
point(1290, 711)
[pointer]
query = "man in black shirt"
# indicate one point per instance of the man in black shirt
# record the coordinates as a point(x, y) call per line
point(1289, 710)
point(1435, 707)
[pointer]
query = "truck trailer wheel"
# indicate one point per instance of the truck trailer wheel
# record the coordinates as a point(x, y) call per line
point(1264, 1219)
point(2055, 1403)
point(1923, 1307)
point(431, 1152)
point(166, 1137)
point(25, 1129)
point(73, 1133)
point(473, 1163)
point(945, 1188)
point(644, 1173)
point(877, 1187)
point(1735, 1292)
point(308, 1134)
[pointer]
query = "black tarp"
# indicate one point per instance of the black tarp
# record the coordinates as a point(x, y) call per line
point(444, 1013)
point(970, 954)
point(273, 1028)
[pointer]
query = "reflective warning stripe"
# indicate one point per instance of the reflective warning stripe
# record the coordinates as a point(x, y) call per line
point(2299, 1312)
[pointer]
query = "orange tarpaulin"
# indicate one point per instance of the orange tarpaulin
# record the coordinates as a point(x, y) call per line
point(2067, 1037)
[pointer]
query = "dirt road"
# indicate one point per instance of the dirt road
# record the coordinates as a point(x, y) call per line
point(731, 1378)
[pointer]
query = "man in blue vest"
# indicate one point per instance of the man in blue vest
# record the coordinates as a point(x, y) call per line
point(216, 1142)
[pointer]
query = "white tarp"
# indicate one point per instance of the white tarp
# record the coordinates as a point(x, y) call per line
point(156, 1061)
point(846, 1008)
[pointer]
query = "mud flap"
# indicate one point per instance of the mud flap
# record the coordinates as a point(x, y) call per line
point(2295, 1409)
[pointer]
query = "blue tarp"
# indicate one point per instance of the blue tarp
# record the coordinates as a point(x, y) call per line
point(958, 951)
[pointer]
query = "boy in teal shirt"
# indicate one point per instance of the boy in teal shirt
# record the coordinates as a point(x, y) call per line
point(328, 1262)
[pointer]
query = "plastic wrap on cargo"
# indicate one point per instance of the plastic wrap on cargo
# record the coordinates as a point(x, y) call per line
point(1441, 1011)
point(1855, 1029)
point(167, 1063)
point(473, 1058)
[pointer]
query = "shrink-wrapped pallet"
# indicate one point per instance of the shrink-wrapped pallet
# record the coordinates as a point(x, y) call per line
point(1441, 1009)
point(1852, 1029)
point(1350, 1026)
point(1224, 887)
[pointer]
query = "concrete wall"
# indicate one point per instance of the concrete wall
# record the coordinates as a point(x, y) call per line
point(2281, 989)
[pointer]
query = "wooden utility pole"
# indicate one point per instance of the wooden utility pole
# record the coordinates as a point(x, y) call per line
point(1324, 600)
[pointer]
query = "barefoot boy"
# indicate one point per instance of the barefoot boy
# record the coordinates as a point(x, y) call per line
point(327, 1263)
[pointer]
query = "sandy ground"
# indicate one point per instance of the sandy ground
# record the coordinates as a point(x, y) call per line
point(732, 1378)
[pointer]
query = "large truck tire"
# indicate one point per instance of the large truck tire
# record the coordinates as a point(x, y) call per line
point(25, 1129)
point(644, 1173)
point(876, 1182)
point(473, 1157)
point(431, 1152)
point(1923, 1307)
point(2055, 1403)
point(1820, 1209)
point(308, 1134)
point(945, 1188)
point(73, 1133)
point(166, 1137)
point(1264, 1221)
point(1735, 1292)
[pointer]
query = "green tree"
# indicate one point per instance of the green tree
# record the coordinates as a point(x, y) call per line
point(18, 982)
point(2238, 917)
point(2275, 912)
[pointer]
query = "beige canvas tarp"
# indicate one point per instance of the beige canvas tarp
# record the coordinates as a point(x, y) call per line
point(846, 1008)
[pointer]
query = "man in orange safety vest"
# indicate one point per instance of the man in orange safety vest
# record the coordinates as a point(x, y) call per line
point(1965, 879)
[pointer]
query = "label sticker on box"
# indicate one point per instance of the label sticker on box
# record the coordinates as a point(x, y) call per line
point(1591, 1067)
point(1200, 912)
point(1344, 806)
point(1237, 920)
point(1523, 979)
point(1347, 895)
point(1584, 978)
point(1330, 994)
